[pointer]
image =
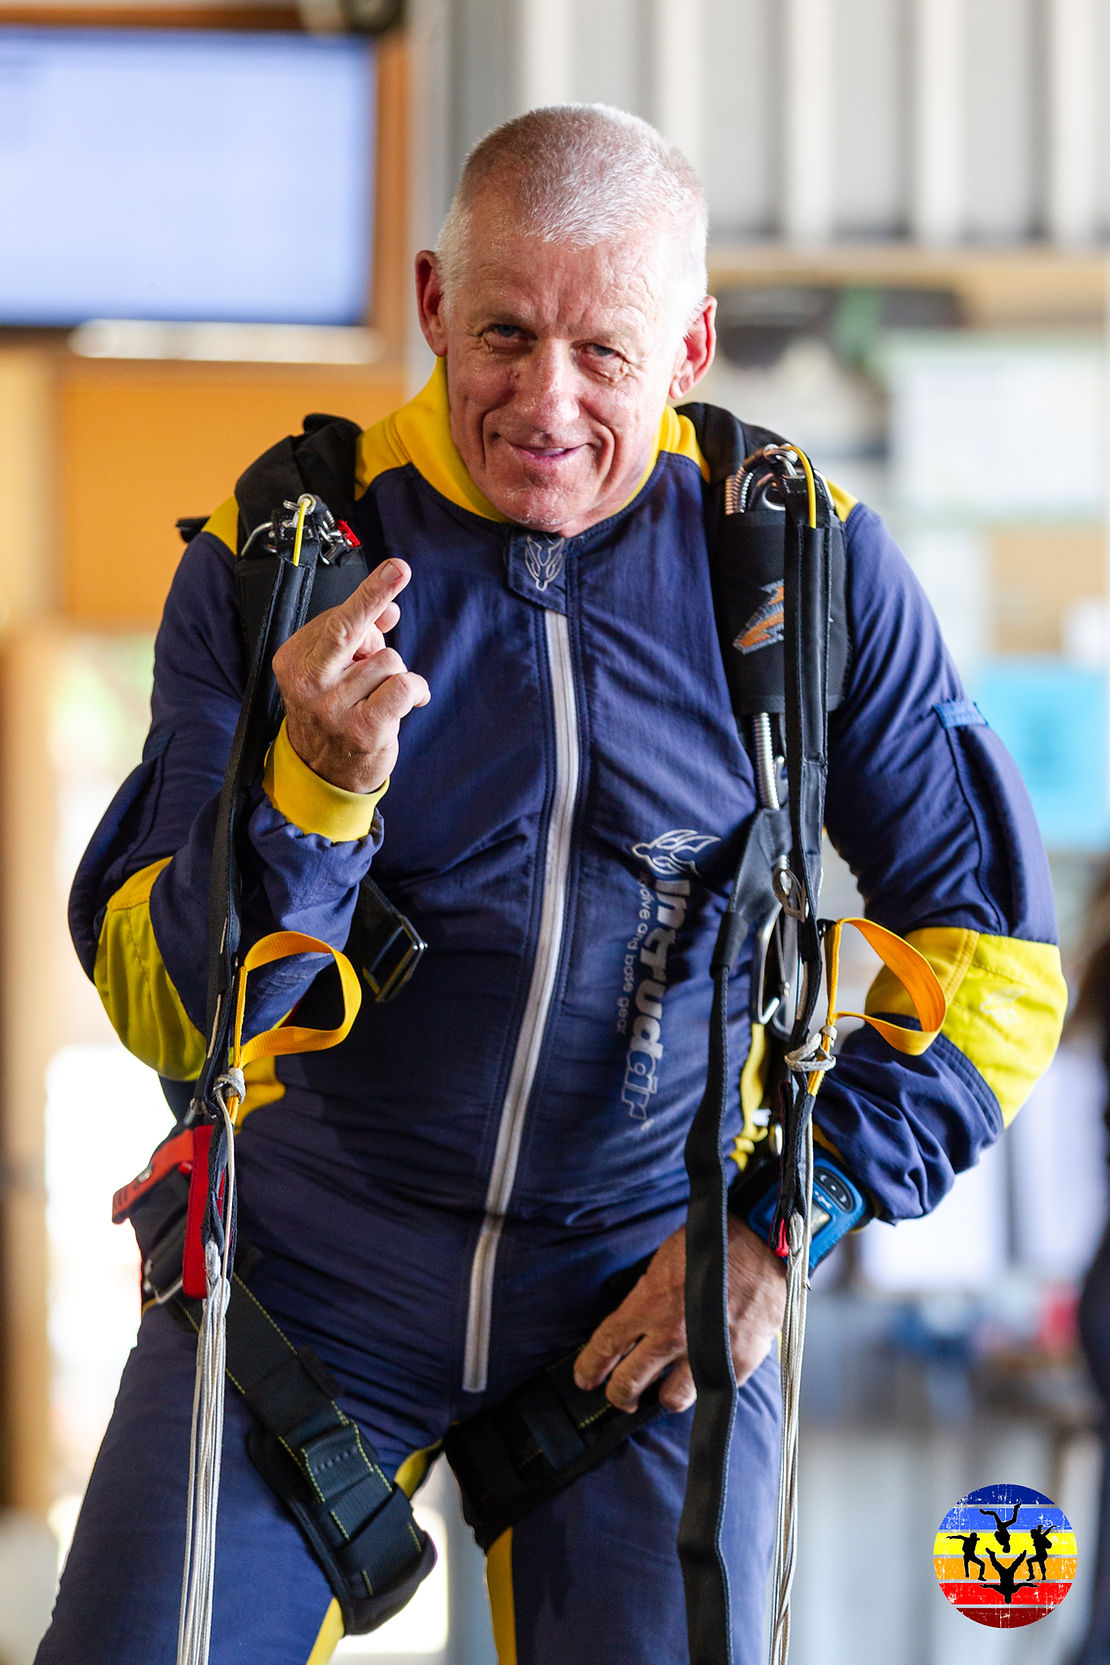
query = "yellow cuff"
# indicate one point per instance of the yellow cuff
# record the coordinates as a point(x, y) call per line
point(312, 803)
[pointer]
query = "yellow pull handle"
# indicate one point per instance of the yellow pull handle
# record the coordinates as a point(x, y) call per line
point(291, 1037)
point(914, 973)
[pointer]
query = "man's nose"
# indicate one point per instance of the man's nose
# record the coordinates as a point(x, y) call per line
point(547, 392)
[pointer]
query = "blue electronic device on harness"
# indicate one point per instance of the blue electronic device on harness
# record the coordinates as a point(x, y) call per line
point(837, 1207)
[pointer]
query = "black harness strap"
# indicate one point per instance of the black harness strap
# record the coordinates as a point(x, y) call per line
point(384, 943)
point(259, 718)
point(534, 1444)
point(705, 1572)
point(810, 552)
point(359, 1525)
point(806, 598)
point(317, 1459)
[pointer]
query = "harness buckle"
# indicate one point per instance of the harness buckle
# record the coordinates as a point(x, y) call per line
point(385, 945)
point(175, 1152)
point(765, 1004)
point(788, 889)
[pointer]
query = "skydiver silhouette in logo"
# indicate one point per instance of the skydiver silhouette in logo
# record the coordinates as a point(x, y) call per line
point(1042, 1543)
point(1007, 1574)
point(1002, 1529)
point(969, 1541)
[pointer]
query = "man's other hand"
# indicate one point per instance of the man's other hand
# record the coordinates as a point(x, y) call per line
point(647, 1332)
point(345, 692)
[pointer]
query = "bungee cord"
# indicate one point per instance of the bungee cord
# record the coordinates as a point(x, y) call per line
point(194, 1634)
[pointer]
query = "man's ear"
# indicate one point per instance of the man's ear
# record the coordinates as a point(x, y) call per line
point(429, 302)
point(696, 352)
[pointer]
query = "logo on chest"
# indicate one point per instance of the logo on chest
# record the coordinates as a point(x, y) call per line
point(544, 560)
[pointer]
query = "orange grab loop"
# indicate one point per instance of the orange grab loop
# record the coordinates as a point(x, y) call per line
point(914, 973)
point(291, 1037)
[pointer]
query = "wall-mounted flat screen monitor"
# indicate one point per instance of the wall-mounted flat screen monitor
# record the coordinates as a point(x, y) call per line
point(184, 175)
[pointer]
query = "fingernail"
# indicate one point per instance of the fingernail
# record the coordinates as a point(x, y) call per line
point(392, 570)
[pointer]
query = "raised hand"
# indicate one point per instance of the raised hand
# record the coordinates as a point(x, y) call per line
point(345, 691)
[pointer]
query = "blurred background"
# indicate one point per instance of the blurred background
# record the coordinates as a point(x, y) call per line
point(207, 217)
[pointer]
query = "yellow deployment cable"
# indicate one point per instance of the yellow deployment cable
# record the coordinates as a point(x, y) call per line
point(305, 504)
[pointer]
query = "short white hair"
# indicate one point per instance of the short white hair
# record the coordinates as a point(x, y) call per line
point(583, 174)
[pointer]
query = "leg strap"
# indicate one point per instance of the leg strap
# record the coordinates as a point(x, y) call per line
point(358, 1524)
point(534, 1444)
point(360, 1527)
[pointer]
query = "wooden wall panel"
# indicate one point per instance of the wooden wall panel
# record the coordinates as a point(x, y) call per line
point(32, 943)
point(142, 443)
point(28, 530)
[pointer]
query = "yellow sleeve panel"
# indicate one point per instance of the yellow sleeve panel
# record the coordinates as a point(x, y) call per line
point(142, 1004)
point(1006, 1004)
point(224, 524)
point(312, 803)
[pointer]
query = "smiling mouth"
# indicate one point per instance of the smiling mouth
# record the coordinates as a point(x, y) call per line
point(543, 454)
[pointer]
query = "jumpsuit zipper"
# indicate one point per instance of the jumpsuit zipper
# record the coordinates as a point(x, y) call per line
point(533, 1027)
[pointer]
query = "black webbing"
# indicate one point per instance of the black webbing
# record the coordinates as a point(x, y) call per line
point(359, 1524)
point(806, 603)
point(383, 943)
point(708, 1340)
point(806, 640)
point(259, 718)
point(274, 598)
point(531, 1445)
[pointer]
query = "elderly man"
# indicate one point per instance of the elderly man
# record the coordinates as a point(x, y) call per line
point(532, 671)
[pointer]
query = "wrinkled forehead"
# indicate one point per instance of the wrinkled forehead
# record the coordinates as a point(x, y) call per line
point(632, 273)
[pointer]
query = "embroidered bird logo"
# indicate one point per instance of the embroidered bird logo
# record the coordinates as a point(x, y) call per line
point(544, 561)
point(674, 853)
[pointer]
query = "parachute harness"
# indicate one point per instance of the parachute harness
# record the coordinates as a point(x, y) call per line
point(780, 864)
point(781, 856)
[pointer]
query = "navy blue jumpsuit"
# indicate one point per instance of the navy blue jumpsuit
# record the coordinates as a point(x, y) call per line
point(439, 1201)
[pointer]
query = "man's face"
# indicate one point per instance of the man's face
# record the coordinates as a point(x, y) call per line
point(559, 363)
